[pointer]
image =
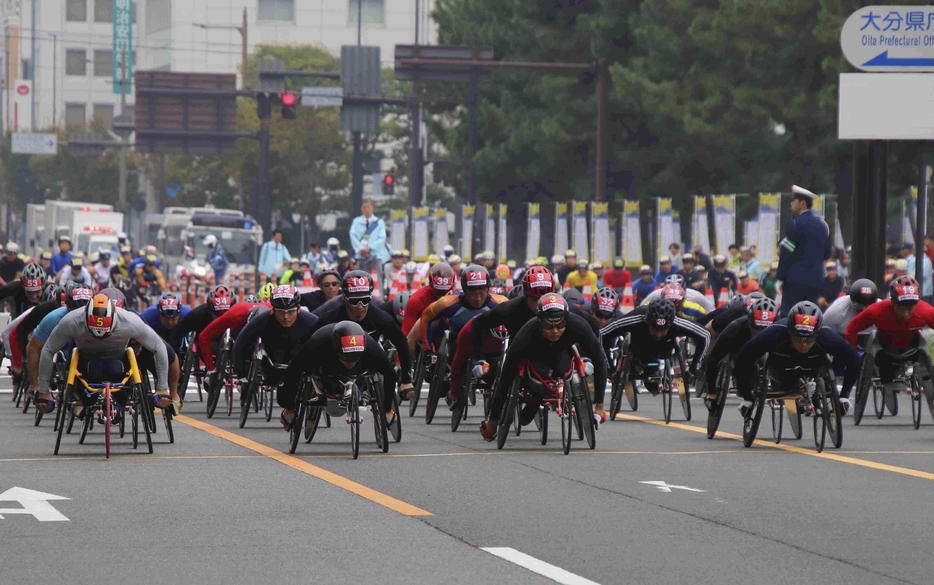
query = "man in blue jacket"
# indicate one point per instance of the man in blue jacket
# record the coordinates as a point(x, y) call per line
point(368, 238)
point(802, 252)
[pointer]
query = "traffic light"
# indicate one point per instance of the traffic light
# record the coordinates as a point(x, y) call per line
point(288, 106)
point(389, 184)
point(263, 106)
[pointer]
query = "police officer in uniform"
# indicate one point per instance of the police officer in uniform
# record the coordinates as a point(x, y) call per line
point(802, 252)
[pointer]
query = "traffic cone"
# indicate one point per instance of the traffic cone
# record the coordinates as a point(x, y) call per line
point(724, 298)
point(566, 287)
point(627, 304)
point(509, 284)
point(709, 295)
point(306, 278)
point(588, 293)
point(377, 291)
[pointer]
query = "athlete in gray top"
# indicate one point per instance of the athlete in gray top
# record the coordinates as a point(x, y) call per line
point(695, 296)
point(839, 315)
point(127, 327)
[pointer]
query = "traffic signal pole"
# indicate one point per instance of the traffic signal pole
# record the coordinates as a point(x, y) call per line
point(261, 202)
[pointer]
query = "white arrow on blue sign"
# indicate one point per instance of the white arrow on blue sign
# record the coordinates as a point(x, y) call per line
point(23, 143)
point(322, 96)
point(890, 38)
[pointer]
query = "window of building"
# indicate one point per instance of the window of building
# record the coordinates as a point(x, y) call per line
point(276, 10)
point(75, 115)
point(76, 62)
point(103, 63)
point(76, 10)
point(105, 113)
point(103, 10)
point(371, 12)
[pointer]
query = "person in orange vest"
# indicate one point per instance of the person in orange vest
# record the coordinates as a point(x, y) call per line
point(746, 285)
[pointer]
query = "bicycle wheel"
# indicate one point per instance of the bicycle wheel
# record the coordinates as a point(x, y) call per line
point(864, 387)
point(379, 420)
point(63, 410)
point(517, 420)
point(26, 394)
point(631, 395)
point(619, 378)
point(214, 395)
point(149, 408)
point(297, 428)
point(436, 388)
point(566, 423)
point(353, 411)
point(86, 425)
point(751, 421)
point(915, 401)
point(878, 400)
point(133, 413)
point(249, 394)
point(108, 412)
point(459, 412)
point(820, 418)
point(395, 428)
point(543, 430)
point(778, 416)
point(71, 421)
point(421, 367)
point(505, 418)
point(723, 386)
point(145, 405)
point(312, 417)
point(681, 381)
point(187, 366)
point(584, 411)
point(228, 396)
point(666, 400)
point(19, 389)
point(834, 413)
point(167, 421)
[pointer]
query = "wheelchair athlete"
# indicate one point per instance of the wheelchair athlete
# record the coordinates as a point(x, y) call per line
point(547, 339)
point(334, 353)
point(101, 333)
point(863, 293)
point(761, 314)
point(653, 330)
point(694, 305)
point(283, 332)
point(26, 292)
point(898, 321)
point(797, 343)
point(164, 317)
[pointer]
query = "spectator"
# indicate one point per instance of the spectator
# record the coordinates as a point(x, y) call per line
point(313, 255)
point(582, 277)
point(735, 257)
point(769, 282)
point(273, 254)
point(843, 267)
point(75, 272)
point(328, 259)
point(700, 283)
point(393, 269)
point(488, 261)
point(750, 264)
point(617, 277)
point(803, 250)
point(687, 269)
point(927, 285)
point(674, 250)
point(557, 263)
point(746, 284)
point(721, 278)
point(599, 270)
point(570, 265)
point(456, 263)
point(664, 269)
point(368, 238)
point(890, 270)
point(833, 286)
point(63, 258)
point(293, 275)
point(701, 258)
point(645, 285)
point(45, 261)
point(11, 266)
point(901, 267)
point(217, 257)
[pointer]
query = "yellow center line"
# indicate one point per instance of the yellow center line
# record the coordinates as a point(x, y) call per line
point(128, 456)
point(306, 467)
point(791, 449)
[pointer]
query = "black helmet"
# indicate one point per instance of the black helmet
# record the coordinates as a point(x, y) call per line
point(356, 284)
point(285, 297)
point(475, 277)
point(552, 311)
point(905, 290)
point(114, 294)
point(400, 301)
point(349, 341)
point(863, 292)
point(604, 303)
point(51, 292)
point(675, 278)
point(738, 300)
point(573, 296)
point(77, 295)
point(660, 314)
point(805, 320)
point(252, 299)
point(762, 312)
point(753, 297)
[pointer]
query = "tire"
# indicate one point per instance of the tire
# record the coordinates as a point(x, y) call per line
point(631, 395)
point(249, 395)
point(724, 372)
point(379, 419)
point(778, 417)
point(63, 410)
point(684, 392)
point(820, 419)
point(187, 366)
point(505, 419)
point(459, 412)
point(214, 395)
point(268, 404)
point(308, 431)
point(421, 367)
point(517, 419)
point(228, 396)
point(353, 411)
point(71, 422)
point(878, 400)
point(85, 425)
point(752, 419)
point(297, 429)
point(834, 413)
point(395, 429)
point(666, 399)
point(134, 420)
point(794, 420)
point(567, 424)
point(167, 420)
point(584, 409)
point(891, 401)
point(148, 408)
point(864, 387)
point(143, 408)
point(915, 402)
point(437, 384)
point(108, 411)
point(543, 412)
point(620, 377)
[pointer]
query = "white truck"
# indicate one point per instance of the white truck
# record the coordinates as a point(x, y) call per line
point(93, 231)
point(59, 220)
point(35, 228)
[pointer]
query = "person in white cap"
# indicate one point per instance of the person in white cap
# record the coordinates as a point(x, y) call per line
point(802, 252)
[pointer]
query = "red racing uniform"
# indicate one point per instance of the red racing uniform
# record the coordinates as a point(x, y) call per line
point(889, 331)
point(418, 302)
point(234, 319)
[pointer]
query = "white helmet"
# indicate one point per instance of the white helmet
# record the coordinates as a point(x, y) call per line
point(334, 243)
point(210, 240)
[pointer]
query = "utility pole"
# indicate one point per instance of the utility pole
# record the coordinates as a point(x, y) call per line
point(32, 70)
point(242, 29)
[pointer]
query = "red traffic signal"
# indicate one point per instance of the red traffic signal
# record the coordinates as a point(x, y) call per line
point(288, 99)
point(388, 180)
point(389, 184)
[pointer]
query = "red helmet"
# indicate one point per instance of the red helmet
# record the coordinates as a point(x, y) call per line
point(674, 293)
point(537, 281)
point(220, 299)
point(905, 290)
point(441, 278)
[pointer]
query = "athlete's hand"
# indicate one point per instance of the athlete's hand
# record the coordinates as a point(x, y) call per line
point(480, 368)
point(588, 367)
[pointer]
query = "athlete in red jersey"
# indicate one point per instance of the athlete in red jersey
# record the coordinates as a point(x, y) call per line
point(441, 279)
point(898, 319)
point(234, 319)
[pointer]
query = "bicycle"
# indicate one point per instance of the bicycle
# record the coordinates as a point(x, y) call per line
point(573, 407)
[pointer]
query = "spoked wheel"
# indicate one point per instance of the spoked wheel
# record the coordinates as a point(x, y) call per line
point(543, 428)
point(167, 420)
point(684, 393)
point(820, 418)
point(778, 416)
point(214, 395)
point(863, 389)
point(666, 400)
point(249, 394)
point(353, 412)
point(517, 420)
point(312, 417)
point(505, 419)
point(834, 412)
point(459, 411)
point(108, 412)
point(723, 386)
point(632, 396)
point(915, 402)
point(793, 408)
point(149, 409)
point(19, 391)
point(620, 377)
point(436, 388)
point(25, 394)
point(63, 409)
point(297, 428)
point(143, 407)
point(214, 392)
point(584, 411)
point(132, 411)
point(185, 375)
point(86, 425)
point(421, 367)
point(752, 419)
point(71, 421)
point(567, 423)
point(878, 399)
point(395, 427)
point(379, 420)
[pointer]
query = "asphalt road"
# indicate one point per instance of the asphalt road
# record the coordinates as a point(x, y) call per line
point(229, 505)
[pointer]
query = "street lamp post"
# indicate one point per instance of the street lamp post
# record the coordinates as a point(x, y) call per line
point(242, 29)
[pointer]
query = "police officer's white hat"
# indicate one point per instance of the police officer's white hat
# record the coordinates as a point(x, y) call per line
point(802, 193)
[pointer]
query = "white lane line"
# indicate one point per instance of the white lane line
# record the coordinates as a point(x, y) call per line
point(544, 569)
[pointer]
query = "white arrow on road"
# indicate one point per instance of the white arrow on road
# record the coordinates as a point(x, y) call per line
point(33, 503)
point(667, 488)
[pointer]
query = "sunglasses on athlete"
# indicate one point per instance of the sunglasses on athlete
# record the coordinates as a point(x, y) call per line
point(357, 302)
point(330, 284)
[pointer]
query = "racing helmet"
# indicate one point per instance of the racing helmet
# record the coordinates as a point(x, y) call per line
point(537, 281)
point(497, 287)
point(51, 292)
point(475, 277)
point(605, 303)
point(116, 295)
point(863, 292)
point(805, 320)
point(348, 341)
point(285, 298)
point(220, 299)
point(552, 311)
point(675, 279)
point(762, 312)
point(660, 313)
point(753, 297)
point(77, 295)
point(905, 291)
point(169, 305)
point(266, 291)
point(357, 284)
point(33, 275)
point(252, 299)
point(574, 297)
point(441, 278)
point(399, 303)
point(101, 316)
point(674, 292)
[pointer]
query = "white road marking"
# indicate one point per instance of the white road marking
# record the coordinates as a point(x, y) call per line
point(536, 566)
point(667, 488)
point(33, 503)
